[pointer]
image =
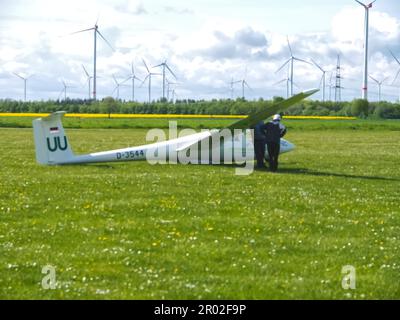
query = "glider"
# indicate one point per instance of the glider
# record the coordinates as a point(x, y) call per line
point(206, 147)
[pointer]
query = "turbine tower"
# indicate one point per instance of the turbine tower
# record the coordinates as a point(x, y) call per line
point(379, 83)
point(149, 74)
point(118, 84)
point(323, 79)
point(165, 65)
point(169, 83)
point(133, 77)
point(64, 90)
point(291, 60)
point(366, 26)
point(95, 32)
point(232, 83)
point(88, 77)
point(287, 80)
point(244, 83)
point(25, 80)
point(398, 72)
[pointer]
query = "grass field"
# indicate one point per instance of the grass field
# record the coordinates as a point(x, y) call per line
point(136, 231)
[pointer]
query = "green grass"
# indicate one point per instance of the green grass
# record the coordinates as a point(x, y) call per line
point(136, 231)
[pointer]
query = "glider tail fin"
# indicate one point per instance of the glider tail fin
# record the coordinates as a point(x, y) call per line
point(51, 143)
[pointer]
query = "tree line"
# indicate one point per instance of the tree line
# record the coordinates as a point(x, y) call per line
point(358, 107)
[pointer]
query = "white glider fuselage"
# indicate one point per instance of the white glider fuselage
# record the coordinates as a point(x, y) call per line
point(170, 151)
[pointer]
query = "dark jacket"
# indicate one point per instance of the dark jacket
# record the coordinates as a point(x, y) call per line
point(275, 131)
point(260, 131)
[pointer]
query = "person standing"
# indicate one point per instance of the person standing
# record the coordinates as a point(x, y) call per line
point(259, 143)
point(275, 130)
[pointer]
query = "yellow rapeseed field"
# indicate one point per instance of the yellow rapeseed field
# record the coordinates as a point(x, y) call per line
point(164, 116)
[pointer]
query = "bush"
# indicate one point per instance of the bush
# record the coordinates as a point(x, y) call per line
point(360, 108)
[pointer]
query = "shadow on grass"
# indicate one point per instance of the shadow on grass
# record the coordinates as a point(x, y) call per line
point(304, 171)
point(300, 171)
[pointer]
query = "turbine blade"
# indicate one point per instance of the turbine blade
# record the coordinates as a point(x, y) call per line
point(84, 69)
point(19, 76)
point(373, 79)
point(317, 65)
point(282, 66)
point(159, 65)
point(298, 59)
point(395, 78)
point(320, 82)
point(144, 80)
point(62, 91)
point(123, 81)
point(290, 48)
point(133, 69)
point(279, 82)
point(147, 68)
point(105, 40)
point(394, 56)
point(171, 71)
point(115, 80)
point(295, 84)
point(361, 3)
point(81, 31)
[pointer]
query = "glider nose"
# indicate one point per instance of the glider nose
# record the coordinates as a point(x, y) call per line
point(286, 146)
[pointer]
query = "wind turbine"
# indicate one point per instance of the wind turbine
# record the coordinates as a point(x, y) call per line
point(232, 83)
point(398, 72)
point(95, 32)
point(118, 84)
point(165, 65)
point(244, 83)
point(330, 86)
point(323, 79)
point(287, 80)
point(366, 26)
point(64, 90)
point(379, 83)
point(25, 80)
point(291, 60)
point(133, 78)
point(169, 83)
point(89, 77)
point(149, 74)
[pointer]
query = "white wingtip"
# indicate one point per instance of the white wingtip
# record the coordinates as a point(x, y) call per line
point(310, 92)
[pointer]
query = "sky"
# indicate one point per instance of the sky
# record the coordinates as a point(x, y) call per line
point(206, 43)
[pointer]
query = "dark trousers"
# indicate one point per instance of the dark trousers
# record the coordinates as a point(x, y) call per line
point(273, 153)
point(259, 150)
